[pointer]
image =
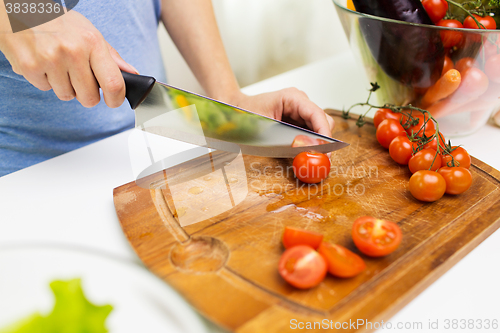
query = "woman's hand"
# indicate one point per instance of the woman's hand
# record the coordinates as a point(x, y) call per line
point(70, 56)
point(291, 105)
point(200, 43)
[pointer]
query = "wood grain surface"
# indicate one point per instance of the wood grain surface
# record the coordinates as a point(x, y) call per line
point(216, 236)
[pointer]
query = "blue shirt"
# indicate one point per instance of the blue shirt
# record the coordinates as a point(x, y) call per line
point(36, 125)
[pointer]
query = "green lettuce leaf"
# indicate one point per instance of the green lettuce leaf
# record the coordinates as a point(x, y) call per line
point(72, 313)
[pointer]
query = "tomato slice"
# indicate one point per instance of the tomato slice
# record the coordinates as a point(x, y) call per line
point(340, 261)
point(294, 236)
point(304, 141)
point(302, 267)
point(374, 237)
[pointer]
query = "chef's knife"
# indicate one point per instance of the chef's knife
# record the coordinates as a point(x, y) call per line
point(179, 114)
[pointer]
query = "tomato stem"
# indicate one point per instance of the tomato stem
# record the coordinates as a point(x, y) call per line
point(468, 13)
point(407, 111)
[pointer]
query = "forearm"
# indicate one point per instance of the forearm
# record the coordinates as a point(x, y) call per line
point(4, 21)
point(193, 28)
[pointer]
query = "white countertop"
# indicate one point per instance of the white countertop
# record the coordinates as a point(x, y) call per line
point(68, 201)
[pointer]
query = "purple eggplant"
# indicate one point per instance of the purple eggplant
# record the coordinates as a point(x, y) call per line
point(410, 54)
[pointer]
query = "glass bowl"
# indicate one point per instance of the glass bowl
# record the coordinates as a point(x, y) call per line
point(407, 59)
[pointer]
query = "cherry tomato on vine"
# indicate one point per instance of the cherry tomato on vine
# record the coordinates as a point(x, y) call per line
point(433, 144)
point(460, 155)
point(492, 68)
point(424, 160)
point(436, 9)
point(427, 185)
point(458, 179)
point(374, 237)
point(450, 38)
point(488, 22)
point(340, 261)
point(401, 149)
point(294, 236)
point(302, 267)
point(383, 114)
point(311, 167)
point(429, 125)
point(388, 130)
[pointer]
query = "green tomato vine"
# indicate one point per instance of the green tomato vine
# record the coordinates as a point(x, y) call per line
point(407, 121)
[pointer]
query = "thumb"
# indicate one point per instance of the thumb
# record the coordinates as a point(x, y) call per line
point(122, 64)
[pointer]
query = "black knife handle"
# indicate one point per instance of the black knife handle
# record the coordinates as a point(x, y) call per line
point(137, 87)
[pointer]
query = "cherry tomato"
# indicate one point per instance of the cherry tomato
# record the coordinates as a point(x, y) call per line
point(302, 267)
point(474, 83)
point(429, 125)
point(311, 167)
point(492, 68)
point(423, 160)
point(401, 149)
point(436, 9)
point(383, 114)
point(450, 38)
point(488, 22)
point(427, 185)
point(458, 179)
point(340, 261)
point(460, 155)
point(465, 63)
point(388, 130)
point(489, 48)
point(374, 237)
point(433, 144)
point(447, 65)
point(293, 236)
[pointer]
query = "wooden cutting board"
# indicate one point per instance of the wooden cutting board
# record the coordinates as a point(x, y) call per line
point(223, 259)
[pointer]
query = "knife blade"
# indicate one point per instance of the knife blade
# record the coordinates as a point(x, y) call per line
point(185, 116)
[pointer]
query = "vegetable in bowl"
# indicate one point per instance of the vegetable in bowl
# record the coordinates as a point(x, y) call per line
point(464, 93)
point(410, 54)
point(218, 120)
point(72, 312)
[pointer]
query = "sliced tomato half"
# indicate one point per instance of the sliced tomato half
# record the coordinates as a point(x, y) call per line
point(305, 141)
point(294, 236)
point(302, 267)
point(340, 261)
point(374, 237)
